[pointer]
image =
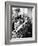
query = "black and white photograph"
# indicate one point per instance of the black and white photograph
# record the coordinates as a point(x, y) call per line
point(20, 22)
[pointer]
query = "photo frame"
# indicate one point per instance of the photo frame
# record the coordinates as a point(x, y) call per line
point(20, 22)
